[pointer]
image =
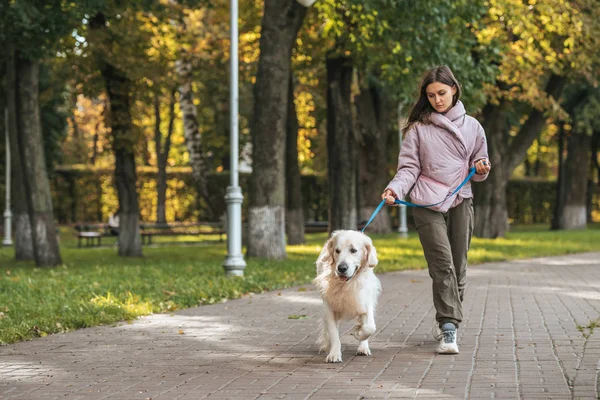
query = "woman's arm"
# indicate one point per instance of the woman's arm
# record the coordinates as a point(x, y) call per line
point(409, 166)
point(479, 152)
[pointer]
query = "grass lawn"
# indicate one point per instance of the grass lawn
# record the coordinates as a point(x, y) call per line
point(95, 286)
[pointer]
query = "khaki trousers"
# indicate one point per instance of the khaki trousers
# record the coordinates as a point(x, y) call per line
point(446, 238)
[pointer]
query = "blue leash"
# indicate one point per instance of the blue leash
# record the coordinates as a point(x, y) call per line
point(406, 203)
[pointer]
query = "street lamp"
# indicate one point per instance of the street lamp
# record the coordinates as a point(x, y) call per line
point(234, 261)
point(7, 241)
point(402, 228)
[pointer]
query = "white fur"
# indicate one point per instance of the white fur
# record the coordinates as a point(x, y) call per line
point(349, 293)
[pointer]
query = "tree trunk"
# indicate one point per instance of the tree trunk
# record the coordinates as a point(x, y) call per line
point(557, 216)
point(491, 214)
point(294, 202)
point(117, 87)
point(594, 170)
point(162, 156)
point(266, 220)
point(23, 242)
point(373, 117)
point(572, 213)
point(342, 147)
point(533, 126)
point(123, 142)
point(191, 130)
point(32, 160)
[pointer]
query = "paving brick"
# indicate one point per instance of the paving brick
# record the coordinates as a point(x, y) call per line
point(519, 340)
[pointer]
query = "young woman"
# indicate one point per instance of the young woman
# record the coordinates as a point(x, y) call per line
point(441, 143)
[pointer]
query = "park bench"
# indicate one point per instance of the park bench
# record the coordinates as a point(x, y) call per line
point(91, 234)
point(150, 230)
point(323, 226)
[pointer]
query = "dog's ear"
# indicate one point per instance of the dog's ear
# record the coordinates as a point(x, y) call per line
point(326, 256)
point(370, 253)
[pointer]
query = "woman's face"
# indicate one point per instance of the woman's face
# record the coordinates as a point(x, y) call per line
point(440, 96)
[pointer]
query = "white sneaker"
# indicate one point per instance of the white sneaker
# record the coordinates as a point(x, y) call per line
point(448, 341)
point(437, 331)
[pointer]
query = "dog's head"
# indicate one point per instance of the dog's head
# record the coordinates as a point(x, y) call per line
point(347, 252)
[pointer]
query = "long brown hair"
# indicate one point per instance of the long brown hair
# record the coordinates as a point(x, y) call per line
point(422, 108)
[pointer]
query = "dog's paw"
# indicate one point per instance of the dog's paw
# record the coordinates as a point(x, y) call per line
point(363, 349)
point(323, 349)
point(356, 332)
point(362, 332)
point(334, 357)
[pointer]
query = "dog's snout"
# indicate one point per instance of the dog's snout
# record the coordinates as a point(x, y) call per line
point(342, 268)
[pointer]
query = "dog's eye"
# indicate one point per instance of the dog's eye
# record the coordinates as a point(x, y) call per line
point(353, 250)
point(337, 251)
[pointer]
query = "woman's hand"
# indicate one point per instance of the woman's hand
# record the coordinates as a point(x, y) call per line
point(483, 166)
point(388, 196)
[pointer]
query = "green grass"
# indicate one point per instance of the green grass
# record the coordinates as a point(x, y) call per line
point(95, 286)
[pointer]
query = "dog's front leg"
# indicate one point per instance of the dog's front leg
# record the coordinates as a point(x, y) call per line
point(364, 330)
point(331, 325)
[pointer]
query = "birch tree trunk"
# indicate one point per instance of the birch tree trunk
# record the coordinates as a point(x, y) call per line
point(191, 130)
point(266, 214)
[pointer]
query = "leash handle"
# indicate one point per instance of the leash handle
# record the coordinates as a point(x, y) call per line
point(406, 203)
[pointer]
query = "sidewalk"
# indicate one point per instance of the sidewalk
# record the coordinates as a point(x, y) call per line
point(519, 339)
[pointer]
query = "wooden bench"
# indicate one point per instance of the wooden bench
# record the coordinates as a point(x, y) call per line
point(323, 226)
point(149, 230)
point(91, 234)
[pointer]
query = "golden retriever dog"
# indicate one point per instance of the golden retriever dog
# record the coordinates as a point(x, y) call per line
point(349, 289)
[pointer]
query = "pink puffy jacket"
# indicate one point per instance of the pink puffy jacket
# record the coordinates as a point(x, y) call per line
point(435, 158)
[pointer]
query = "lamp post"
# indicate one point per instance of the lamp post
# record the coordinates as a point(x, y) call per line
point(7, 241)
point(234, 261)
point(402, 228)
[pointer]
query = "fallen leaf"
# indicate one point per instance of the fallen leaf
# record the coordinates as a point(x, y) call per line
point(294, 316)
point(181, 332)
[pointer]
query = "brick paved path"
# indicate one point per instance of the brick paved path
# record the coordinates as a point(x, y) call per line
point(519, 340)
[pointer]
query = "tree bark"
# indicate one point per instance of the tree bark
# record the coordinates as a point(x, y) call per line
point(162, 156)
point(572, 211)
point(32, 160)
point(342, 147)
point(123, 141)
point(557, 216)
point(491, 214)
point(593, 184)
point(266, 214)
point(191, 130)
point(533, 126)
point(118, 87)
point(23, 241)
point(294, 202)
point(373, 118)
